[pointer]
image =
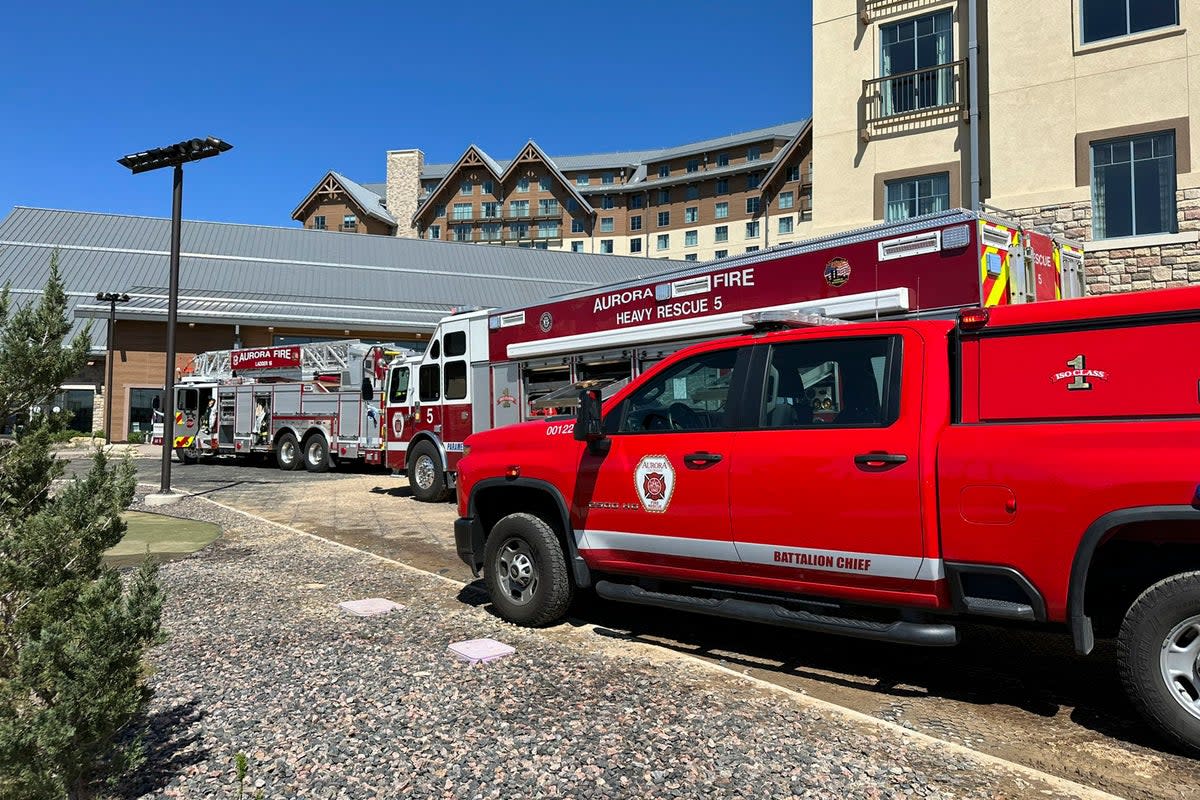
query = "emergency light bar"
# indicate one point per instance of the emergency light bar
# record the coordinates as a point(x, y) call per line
point(791, 318)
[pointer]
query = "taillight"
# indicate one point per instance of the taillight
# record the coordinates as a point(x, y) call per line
point(972, 319)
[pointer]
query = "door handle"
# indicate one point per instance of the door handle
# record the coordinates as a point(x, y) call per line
point(879, 459)
point(702, 458)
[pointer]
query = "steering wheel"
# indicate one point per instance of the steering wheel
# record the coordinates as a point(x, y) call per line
point(656, 421)
point(682, 417)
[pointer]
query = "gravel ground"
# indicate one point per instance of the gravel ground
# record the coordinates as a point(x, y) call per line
point(261, 661)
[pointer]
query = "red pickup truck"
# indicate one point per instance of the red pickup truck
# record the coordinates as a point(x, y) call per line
point(1037, 464)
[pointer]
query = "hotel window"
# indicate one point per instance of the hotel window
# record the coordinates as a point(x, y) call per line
point(518, 208)
point(462, 233)
point(523, 185)
point(544, 183)
point(439, 210)
point(576, 247)
point(518, 230)
point(786, 200)
point(489, 187)
point(466, 187)
point(752, 229)
point(753, 180)
point(721, 211)
point(753, 205)
point(636, 201)
point(547, 229)
point(607, 202)
point(918, 45)
point(794, 172)
point(319, 222)
point(723, 160)
point(664, 170)
point(753, 153)
point(752, 249)
point(691, 257)
point(785, 224)
point(349, 222)
point(691, 214)
point(1107, 19)
point(635, 245)
point(606, 225)
point(606, 245)
point(723, 186)
point(577, 226)
point(664, 219)
point(435, 231)
point(691, 238)
point(1133, 186)
point(722, 233)
point(693, 192)
point(635, 223)
point(914, 197)
point(663, 241)
point(720, 254)
point(572, 205)
point(549, 208)
point(581, 180)
point(693, 165)
point(462, 211)
point(490, 232)
point(608, 178)
point(489, 210)
point(664, 196)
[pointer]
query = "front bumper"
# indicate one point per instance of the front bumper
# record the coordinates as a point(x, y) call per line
point(468, 540)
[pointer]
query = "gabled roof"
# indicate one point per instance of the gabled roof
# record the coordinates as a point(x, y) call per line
point(473, 156)
point(283, 276)
point(368, 202)
point(531, 152)
point(789, 149)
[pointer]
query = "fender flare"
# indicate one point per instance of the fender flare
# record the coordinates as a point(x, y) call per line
point(1080, 622)
point(426, 436)
point(579, 567)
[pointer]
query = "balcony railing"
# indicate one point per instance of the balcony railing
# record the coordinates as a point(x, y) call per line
point(929, 91)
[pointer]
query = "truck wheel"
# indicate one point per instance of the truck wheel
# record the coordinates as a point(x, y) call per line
point(425, 474)
point(525, 570)
point(186, 455)
point(1159, 657)
point(287, 453)
point(316, 454)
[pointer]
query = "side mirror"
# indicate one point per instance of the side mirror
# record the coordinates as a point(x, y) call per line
point(368, 391)
point(589, 427)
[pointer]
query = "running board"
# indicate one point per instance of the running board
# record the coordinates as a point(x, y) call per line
point(925, 634)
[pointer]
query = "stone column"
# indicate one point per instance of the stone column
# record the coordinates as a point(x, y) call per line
point(404, 188)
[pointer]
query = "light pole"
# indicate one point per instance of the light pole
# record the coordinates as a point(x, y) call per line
point(174, 155)
point(112, 298)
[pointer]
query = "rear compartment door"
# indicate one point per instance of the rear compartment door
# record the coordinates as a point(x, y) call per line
point(825, 493)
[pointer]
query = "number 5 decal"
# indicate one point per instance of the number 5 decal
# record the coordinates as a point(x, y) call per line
point(429, 415)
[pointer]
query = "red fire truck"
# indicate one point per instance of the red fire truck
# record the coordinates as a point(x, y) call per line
point(1033, 464)
point(487, 368)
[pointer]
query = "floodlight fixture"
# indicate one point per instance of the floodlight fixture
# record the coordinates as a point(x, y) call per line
point(174, 154)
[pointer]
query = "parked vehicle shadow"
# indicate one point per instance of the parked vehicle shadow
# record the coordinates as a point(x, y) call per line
point(171, 743)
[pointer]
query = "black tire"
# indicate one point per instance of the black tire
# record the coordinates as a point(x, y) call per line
point(288, 455)
point(186, 455)
point(425, 474)
point(1165, 619)
point(525, 570)
point(316, 453)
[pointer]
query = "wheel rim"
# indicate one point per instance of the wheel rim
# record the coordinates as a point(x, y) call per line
point(316, 454)
point(425, 471)
point(1179, 661)
point(287, 451)
point(517, 571)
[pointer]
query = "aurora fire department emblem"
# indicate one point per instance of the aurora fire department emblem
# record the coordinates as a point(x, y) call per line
point(654, 481)
point(398, 426)
point(546, 322)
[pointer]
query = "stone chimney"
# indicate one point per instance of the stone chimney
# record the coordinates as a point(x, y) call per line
point(404, 188)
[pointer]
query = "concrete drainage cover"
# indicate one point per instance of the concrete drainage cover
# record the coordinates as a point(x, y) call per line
point(369, 607)
point(481, 651)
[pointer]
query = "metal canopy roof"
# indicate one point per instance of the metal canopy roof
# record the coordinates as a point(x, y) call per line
point(260, 275)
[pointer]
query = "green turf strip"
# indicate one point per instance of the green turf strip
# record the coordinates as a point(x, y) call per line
point(163, 537)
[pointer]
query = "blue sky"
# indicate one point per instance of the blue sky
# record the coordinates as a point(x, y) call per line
point(300, 88)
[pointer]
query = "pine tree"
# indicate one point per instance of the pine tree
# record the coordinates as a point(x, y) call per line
point(73, 634)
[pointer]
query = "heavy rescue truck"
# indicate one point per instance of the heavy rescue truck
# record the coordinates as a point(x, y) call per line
point(1031, 464)
point(485, 369)
point(309, 406)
